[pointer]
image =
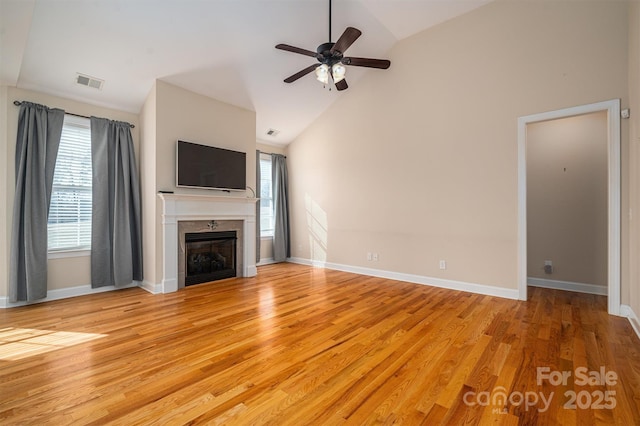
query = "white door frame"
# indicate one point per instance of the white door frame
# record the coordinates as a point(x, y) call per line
point(613, 143)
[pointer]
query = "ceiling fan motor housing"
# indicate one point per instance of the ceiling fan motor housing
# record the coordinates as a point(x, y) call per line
point(325, 56)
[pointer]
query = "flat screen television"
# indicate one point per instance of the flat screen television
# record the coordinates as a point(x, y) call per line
point(202, 166)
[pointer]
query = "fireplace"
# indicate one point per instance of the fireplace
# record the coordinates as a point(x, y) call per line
point(189, 213)
point(209, 256)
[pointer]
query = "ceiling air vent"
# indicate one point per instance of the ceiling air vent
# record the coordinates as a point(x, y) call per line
point(85, 80)
point(273, 132)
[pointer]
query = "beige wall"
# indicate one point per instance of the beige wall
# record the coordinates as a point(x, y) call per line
point(634, 140)
point(169, 113)
point(65, 272)
point(271, 149)
point(418, 163)
point(150, 202)
point(266, 249)
point(567, 198)
point(181, 114)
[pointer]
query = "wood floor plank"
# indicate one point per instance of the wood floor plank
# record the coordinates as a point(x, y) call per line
point(299, 345)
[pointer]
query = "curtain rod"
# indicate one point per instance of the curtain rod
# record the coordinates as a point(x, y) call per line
point(271, 153)
point(18, 103)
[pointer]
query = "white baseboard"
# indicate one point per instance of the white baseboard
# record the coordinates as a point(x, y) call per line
point(416, 279)
point(151, 287)
point(568, 286)
point(65, 293)
point(299, 261)
point(314, 263)
point(252, 271)
point(169, 286)
point(268, 261)
point(626, 311)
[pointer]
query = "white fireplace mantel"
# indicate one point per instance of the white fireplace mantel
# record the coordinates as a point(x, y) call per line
point(180, 207)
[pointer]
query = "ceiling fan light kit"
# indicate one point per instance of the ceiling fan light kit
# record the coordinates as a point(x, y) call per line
point(338, 71)
point(332, 59)
point(322, 74)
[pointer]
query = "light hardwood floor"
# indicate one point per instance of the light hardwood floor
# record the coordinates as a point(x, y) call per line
point(304, 346)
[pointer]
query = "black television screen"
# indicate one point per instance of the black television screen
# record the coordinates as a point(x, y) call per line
point(202, 166)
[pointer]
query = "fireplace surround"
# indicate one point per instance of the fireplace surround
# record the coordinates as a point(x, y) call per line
point(189, 213)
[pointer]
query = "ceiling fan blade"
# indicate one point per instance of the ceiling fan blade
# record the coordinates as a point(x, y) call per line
point(342, 85)
point(302, 73)
point(297, 50)
point(346, 39)
point(367, 62)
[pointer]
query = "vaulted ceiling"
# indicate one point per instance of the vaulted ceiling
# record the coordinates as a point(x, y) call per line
point(223, 49)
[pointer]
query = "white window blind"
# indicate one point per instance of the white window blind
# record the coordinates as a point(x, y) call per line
point(266, 197)
point(69, 221)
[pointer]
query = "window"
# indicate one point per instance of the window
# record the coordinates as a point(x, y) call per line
point(266, 197)
point(69, 223)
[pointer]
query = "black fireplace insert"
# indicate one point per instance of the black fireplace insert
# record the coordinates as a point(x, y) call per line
point(209, 256)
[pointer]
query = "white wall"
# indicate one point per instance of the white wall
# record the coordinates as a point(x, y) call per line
point(419, 163)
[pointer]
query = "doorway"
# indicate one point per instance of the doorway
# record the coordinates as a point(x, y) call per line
point(612, 110)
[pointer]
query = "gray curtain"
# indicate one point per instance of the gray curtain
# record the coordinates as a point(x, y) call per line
point(281, 239)
point(39, 131)
point(116, 236)
point(258, 192)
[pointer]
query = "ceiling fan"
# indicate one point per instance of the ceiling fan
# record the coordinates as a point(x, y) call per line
point(332, 60)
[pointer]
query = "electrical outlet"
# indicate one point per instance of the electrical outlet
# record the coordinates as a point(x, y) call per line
point(548, 267)
point(375, 257)
point(443, 264)
point(369, 257)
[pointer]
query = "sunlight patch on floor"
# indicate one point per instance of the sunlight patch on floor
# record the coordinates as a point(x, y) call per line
point(19, 343)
